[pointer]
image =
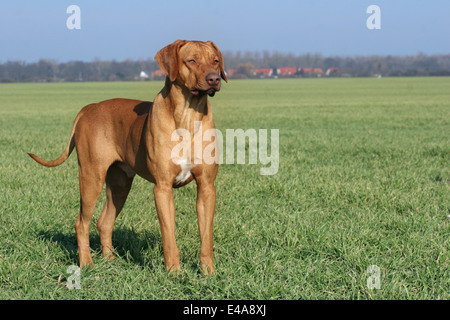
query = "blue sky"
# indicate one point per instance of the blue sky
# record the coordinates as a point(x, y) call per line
point(137, 29)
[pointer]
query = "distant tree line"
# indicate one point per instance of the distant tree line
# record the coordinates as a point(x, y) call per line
point(355, 66)
point(129, 70)
point(51, 71)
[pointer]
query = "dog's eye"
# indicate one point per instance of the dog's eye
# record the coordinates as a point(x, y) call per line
point(216, 61)
point(192, 61)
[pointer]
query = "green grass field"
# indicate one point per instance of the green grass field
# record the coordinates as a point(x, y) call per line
point(363, 180)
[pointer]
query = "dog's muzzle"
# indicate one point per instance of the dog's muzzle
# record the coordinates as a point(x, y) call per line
point(213, 81)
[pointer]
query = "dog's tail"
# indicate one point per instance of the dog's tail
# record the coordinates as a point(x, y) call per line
point(66, 153)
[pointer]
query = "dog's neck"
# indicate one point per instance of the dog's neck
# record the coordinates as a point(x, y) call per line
point(187, 108)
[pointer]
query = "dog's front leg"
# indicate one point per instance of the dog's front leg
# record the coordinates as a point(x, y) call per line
point(206, 204)
point(166, 213)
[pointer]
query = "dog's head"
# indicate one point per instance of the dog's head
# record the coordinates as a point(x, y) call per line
point(196, 65)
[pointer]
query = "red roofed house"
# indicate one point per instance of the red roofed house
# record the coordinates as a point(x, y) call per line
point(286, 71)
point(158, 74)
point(263, 72)
point(332, 71)
point(231, 72)
point(318, 72)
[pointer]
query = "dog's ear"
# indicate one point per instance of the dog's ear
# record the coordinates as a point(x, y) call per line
point(167, 59)
point(221, 63)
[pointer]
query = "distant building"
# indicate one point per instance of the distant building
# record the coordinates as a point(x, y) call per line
point(231, 72)
point(263, 72)
point(311, 72)
point(158, 74)
point(332, 71)
point(284, 72)
point(143, 75)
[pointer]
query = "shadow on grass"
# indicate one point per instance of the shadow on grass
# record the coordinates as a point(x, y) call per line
point(128, 244)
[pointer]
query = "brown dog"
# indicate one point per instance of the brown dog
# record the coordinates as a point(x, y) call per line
point(115, 139)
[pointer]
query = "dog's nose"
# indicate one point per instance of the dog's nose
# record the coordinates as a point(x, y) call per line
point(213, 79)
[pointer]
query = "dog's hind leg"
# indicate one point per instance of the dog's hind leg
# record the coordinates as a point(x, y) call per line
point(92, 180)
point(118, 185)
